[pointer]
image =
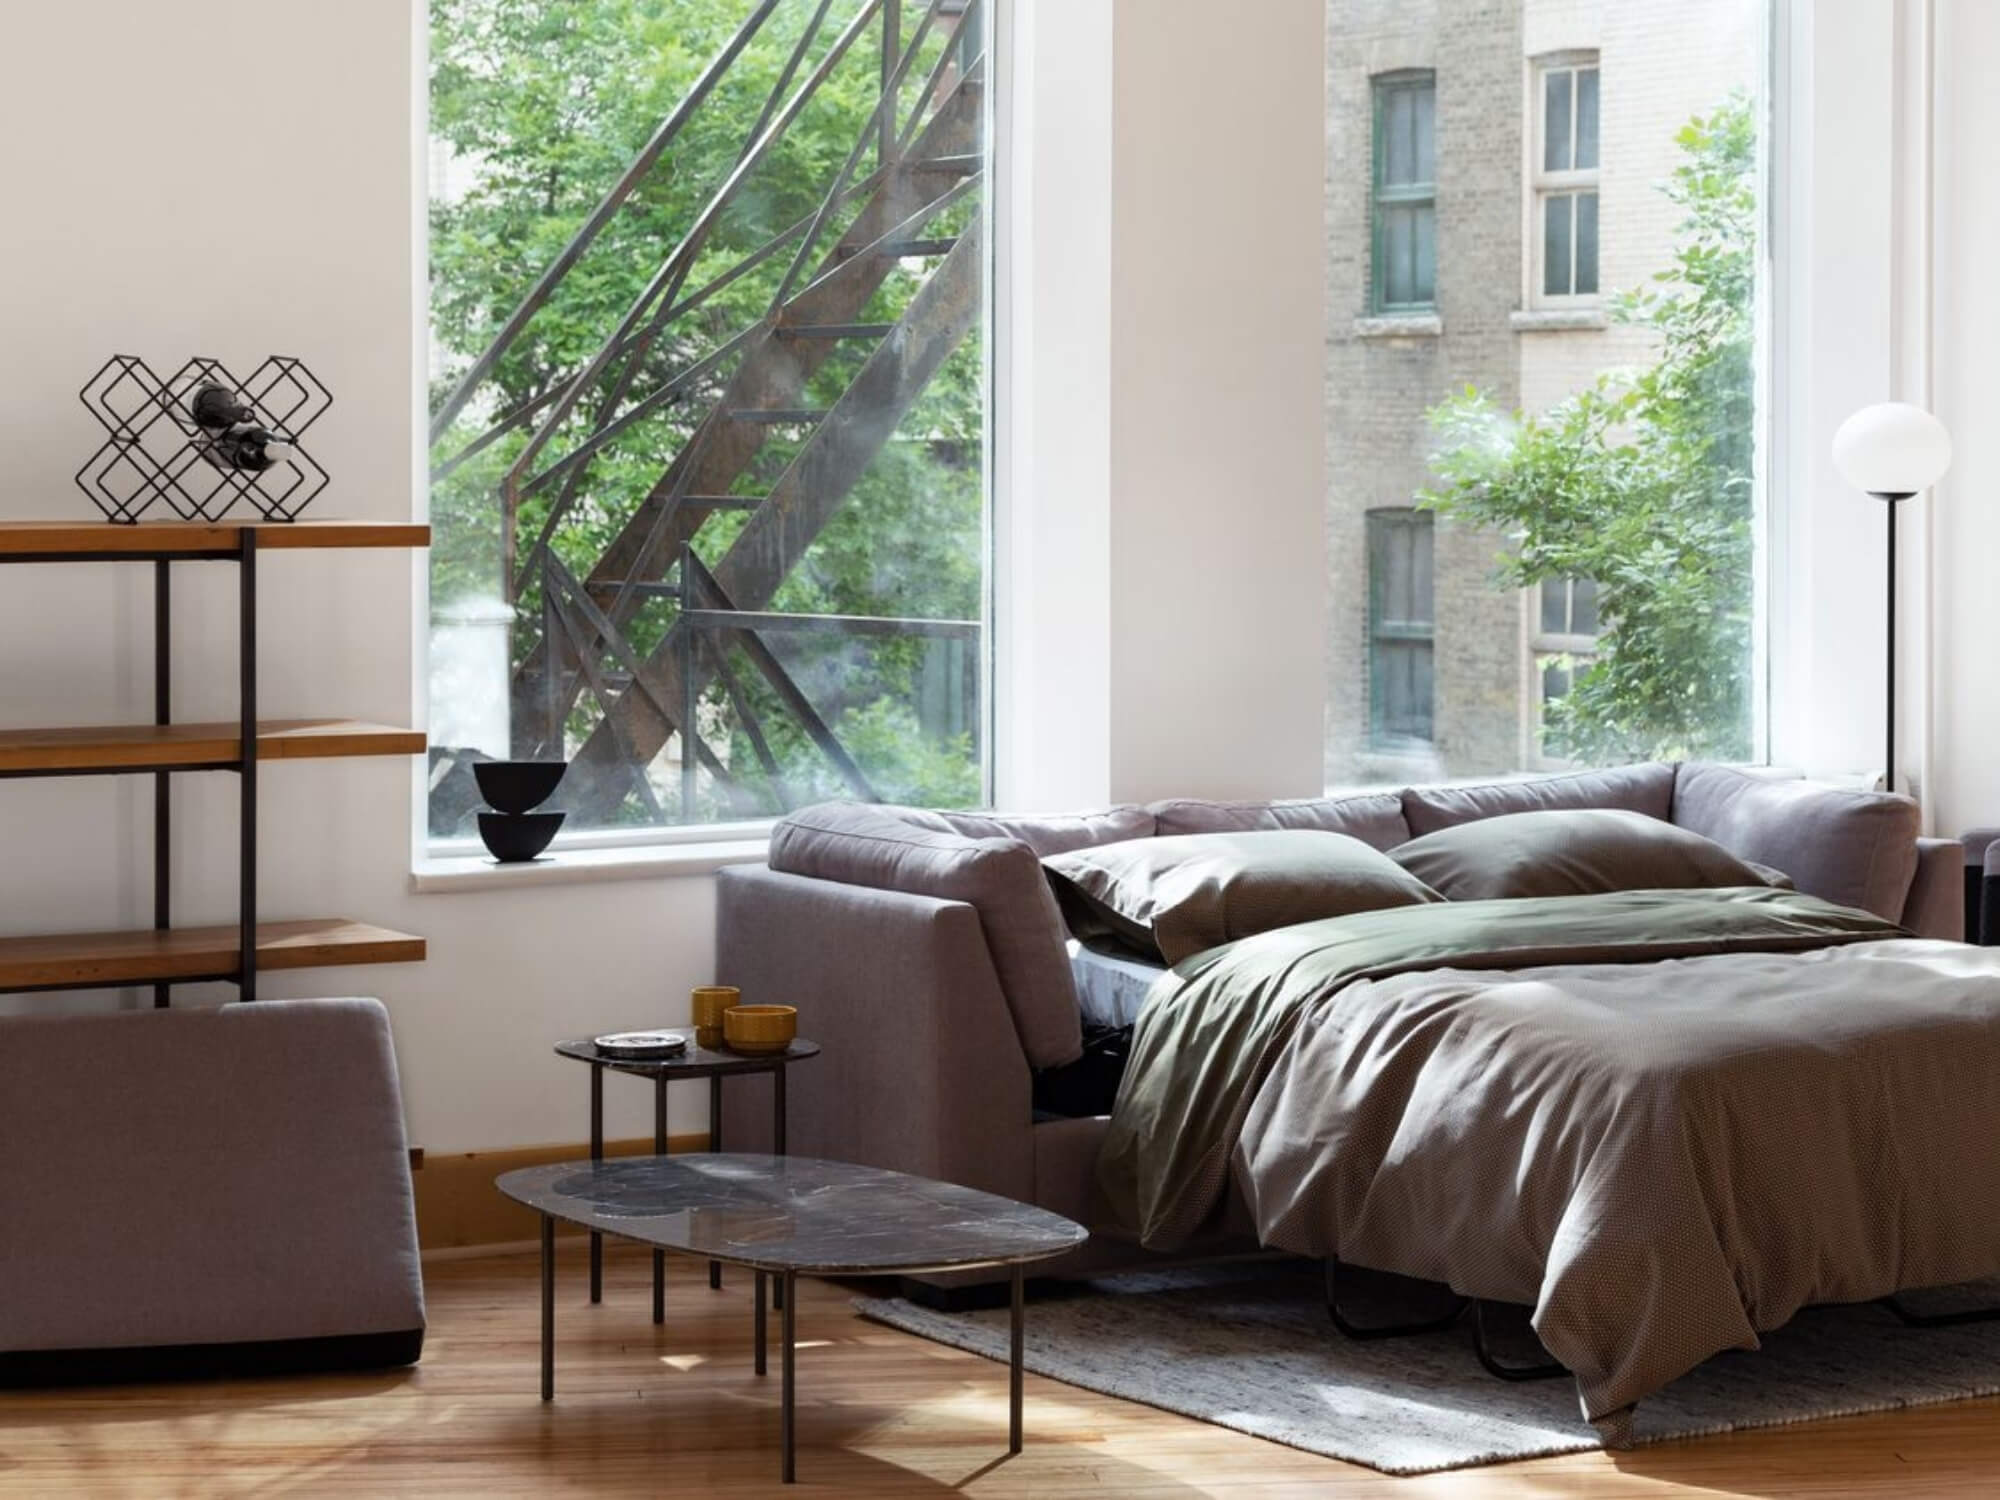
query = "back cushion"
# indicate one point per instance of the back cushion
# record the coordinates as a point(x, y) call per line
point(1376, 818)
point(1045, 833)
point(1577, 851)
point(1647, 789)
point(1850, 847)
point(1001, 879)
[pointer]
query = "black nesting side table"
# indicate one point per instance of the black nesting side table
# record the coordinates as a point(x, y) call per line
point(697, 1062)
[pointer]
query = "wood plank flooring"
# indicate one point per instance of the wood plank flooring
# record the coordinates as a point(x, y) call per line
point(641, 1410)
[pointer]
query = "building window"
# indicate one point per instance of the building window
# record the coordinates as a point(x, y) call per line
point(1402, 627)
point(1405, 253)
point(1563, 644)
point(708, 479)
point(1566, 169)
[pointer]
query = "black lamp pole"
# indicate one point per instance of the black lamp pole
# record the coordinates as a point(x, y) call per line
point(1890, 502)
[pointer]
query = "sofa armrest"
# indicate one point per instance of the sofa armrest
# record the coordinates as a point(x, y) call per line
point(1936, 904)
point(921, 1069)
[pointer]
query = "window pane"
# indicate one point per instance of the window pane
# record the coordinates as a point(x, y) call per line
point(1583, 607)
point(1586, 244)
point(1555, 121)
point(1399, 256)
point(539, 648)
point(1424, 108)
point(1423, 275)
point(1399, 137)
point(1586, 118)
point(1480, 414)
point(1555, 681)
point(1555, 606)
point(1555, 244)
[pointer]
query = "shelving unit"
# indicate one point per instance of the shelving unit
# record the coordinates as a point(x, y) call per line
point(164, 955)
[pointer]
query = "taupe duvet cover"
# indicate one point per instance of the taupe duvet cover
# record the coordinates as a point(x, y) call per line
point(1666, 1120)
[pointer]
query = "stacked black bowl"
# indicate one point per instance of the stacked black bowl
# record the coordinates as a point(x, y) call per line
point(514, 831)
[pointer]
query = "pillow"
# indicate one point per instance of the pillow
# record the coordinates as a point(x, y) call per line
point(1573, 852)
point(1182, 895)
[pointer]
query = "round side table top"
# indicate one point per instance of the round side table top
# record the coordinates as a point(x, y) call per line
point(696, 1062)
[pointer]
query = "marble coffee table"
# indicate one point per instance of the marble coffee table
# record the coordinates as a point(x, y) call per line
point(784, 1216)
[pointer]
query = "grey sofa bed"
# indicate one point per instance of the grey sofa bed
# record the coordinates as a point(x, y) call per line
point(927, 957)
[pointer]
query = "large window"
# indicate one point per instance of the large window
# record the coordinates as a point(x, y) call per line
point(1542, 502)
point(709, 412)
point(1405, 192)
point(1566, 179)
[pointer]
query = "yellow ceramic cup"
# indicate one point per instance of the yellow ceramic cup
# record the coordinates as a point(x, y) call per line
point(760, 1028)
point(709, 1002)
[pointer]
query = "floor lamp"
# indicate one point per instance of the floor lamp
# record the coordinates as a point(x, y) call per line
point(1892, 451)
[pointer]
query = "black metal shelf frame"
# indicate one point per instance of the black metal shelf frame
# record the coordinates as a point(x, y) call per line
point(244, 555)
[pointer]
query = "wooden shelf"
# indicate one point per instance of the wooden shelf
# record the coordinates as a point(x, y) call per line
point(86, 538)
point(89, 960)
point(141, 747)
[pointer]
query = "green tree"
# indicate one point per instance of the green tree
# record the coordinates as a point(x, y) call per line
point(1643, 482)
point(541, 107)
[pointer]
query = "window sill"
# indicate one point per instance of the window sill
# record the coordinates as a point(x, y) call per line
point(1558, 319)
point(1400, 326)
point(441, 874)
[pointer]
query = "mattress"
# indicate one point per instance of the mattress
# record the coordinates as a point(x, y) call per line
point(1111, 981)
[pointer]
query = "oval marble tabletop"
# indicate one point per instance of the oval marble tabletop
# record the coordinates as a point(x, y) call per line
point(793, 1213)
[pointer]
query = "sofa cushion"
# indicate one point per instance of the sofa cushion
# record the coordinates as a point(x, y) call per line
point(1647, 788)
point(1045, 833)
point(1577, 851)
point(999, 878)
point(1853, 848)
point(1176, 897)
point(1376, 818)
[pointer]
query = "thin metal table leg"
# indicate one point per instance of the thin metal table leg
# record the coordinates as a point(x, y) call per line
point(548, 1307)
point(596, 1154)
point(758, 1327)
point(778, 1110)
point(1014, 1342)
point(715, 1144)
point(788, 1399)
point(660, 1149)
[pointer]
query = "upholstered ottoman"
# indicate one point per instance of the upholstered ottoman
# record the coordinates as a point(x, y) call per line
point(192, 1192)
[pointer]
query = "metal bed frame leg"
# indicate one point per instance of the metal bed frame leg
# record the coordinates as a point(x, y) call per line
point(1499, 1369)
point(1913, 1319)
point(1386, 1330)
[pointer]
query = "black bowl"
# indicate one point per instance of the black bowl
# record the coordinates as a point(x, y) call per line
point(517, 786)
point(515, 837)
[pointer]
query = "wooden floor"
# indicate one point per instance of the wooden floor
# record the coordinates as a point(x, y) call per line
point(641, 1410)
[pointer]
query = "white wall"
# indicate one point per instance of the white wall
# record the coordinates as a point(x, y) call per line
point(1181, 416)
point(1168, 483)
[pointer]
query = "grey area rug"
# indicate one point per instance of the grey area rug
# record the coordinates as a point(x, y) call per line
point(1252, 1349)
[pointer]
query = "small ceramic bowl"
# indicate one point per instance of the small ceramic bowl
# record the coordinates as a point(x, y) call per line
point(760, 1028)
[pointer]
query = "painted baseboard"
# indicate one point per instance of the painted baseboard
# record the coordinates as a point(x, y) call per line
point(458, 1207)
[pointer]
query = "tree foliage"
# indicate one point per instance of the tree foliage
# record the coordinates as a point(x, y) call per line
point(1643, 482)
point(539, 108)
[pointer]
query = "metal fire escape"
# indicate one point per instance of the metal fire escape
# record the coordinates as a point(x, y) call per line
point(918, 156)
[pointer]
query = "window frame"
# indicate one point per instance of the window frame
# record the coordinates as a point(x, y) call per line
point(1381, 86)
point(1375, 524)
point(1577, 650)
point(1543, 183)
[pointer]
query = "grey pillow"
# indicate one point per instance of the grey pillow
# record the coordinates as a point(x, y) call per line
point(1573, 852)
point(1180, 896)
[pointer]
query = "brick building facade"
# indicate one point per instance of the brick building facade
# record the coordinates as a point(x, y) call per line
point(1493, 177)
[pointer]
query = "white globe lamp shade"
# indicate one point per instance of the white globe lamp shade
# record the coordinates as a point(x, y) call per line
point(1892, 449)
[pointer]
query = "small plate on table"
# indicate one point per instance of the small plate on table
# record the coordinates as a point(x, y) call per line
point(640, 1046)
